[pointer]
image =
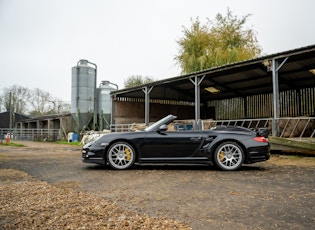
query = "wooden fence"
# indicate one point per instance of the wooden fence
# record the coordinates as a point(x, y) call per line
point(293, 103)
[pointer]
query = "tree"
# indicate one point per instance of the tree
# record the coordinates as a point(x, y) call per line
point(216, 43)
point(1, 102)
point(57, 106)
point(137, 80)
point(15, 99)
point(38, 100)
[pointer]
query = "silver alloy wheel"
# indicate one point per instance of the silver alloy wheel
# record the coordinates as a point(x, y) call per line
point(121, 155)
point(229, 156)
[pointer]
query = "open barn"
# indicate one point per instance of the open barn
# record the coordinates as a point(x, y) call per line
point(271, 87)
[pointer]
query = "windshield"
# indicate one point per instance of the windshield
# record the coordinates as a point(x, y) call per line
point(166, 120)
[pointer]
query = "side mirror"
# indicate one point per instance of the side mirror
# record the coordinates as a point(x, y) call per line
point(163, 128)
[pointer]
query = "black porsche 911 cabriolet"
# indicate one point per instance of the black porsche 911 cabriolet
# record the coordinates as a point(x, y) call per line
point(228, 147)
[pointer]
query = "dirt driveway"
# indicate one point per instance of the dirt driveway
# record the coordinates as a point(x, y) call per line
point(277, 194)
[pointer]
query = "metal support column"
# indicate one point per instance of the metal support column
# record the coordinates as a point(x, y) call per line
point(196, 83)
point(276, 109)
point(147, 91)
point(78, 126)
point(112, 115)
point(245, 114)
point(298, 98)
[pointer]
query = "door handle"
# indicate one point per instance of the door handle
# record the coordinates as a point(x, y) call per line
point(195, 138)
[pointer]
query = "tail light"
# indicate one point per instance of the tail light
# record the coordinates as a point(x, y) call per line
point(260, 139)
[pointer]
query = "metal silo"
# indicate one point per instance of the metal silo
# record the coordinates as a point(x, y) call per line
point(83, 95)
point(104, 103)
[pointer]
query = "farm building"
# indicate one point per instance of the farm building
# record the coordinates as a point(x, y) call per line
point(273, 86)
point(48, 128)
point(8, 119)
point(275, 92)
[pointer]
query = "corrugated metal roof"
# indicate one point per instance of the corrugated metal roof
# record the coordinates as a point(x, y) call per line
point(240, 79)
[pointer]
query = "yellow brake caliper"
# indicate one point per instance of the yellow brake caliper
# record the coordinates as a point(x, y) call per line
point(127, 151)
point(221, 156)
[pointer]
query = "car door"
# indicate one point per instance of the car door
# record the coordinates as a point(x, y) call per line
point(178, 144)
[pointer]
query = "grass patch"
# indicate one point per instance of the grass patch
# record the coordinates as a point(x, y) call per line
point(69, 143)
point(11, 144)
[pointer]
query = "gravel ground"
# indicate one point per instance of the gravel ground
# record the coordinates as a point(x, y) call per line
point(46, 186)
point(27, 203)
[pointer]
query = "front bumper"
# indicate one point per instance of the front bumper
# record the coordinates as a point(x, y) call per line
point(91, 157)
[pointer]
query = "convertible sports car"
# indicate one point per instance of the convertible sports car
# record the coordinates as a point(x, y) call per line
point(228, 147)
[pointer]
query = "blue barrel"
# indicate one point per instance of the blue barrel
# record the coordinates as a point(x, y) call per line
point(75, 137)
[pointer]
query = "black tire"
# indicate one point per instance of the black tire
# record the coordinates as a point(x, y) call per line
point(121, 155)
point(229, 156)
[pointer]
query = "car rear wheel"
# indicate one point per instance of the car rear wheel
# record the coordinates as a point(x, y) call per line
point(121, 155)
point(229, 156)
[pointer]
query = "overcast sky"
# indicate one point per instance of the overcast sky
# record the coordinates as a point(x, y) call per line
point(41, 40)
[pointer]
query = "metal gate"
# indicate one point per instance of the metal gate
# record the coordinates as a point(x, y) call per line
point(31, 134)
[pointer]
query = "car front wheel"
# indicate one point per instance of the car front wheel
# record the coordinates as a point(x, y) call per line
point(121, 155)
point(229, 156)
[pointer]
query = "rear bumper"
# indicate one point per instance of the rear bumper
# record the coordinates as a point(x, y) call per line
point(257, 154)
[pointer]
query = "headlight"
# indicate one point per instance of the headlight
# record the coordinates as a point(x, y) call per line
point(88, 145)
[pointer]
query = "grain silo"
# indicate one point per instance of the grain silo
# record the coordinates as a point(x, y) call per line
point(104, 103)
point(84, 95)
